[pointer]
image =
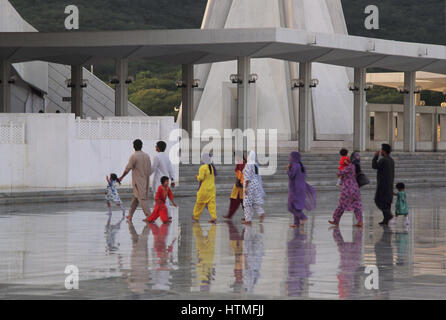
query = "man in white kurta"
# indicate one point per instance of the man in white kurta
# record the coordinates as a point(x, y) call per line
point(161, 167)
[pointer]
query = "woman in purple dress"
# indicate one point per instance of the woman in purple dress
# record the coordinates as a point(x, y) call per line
point(301, 195)
point(350, 199)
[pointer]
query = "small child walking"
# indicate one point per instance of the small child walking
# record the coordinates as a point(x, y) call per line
point(111, 194)
point(160, 210)
point(401, 207)
point(343, 162)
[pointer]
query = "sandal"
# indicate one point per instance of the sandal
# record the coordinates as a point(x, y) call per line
point(333, 223)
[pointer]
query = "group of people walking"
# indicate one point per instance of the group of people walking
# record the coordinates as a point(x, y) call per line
point(350, 173)
point(248, 189)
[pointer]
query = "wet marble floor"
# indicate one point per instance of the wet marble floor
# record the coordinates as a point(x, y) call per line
point(117, 260)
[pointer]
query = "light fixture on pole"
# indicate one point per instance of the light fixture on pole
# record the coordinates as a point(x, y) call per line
point(368, 86)
point(402, 90)
point(314, 83)
point(297, 83)
point(180, 84)
point(129, 80)
point(352, 87)
point(236, 78)
point(114, 80)
point(417, 90)
point(196, 83)
point(84, 83)
point(12, 79)
point(69, 84)
point(253, 78)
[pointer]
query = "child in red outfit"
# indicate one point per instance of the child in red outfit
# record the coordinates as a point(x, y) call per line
point(343, 162)
point(160, 210)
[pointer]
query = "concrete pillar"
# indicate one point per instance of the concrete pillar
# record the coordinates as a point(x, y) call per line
point(391, 128)
point(435, 130)
point(243, 114)
point(5, 87)
point(305, 110)
point(442, 127)
point(409, 112)
point(359, 110)
point(121, 88)
point(187, 97)
point(400, 127)
point(76, 90)
point(243, 70)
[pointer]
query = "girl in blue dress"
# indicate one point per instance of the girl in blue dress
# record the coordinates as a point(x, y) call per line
point(111, 194)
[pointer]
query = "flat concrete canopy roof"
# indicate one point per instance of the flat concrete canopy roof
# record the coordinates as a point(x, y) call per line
point(197, 46)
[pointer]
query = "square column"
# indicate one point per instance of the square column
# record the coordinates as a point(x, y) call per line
point(187, 97)
point(243, 118)
point(121, 88)
point(243, 71)
point(5, 87)
point(409, 111)
point(305, 110)
point(76, 90)
point(359, 110)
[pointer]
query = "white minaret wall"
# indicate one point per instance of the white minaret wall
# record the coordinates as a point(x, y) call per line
point(332, 102)
point(271, 86)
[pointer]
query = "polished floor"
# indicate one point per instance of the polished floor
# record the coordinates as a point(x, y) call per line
point(117, 260)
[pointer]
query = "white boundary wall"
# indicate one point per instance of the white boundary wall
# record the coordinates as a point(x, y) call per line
point(56, 153)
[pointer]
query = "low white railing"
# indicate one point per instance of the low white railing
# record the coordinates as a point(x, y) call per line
point(12, 133)
point(118, 129)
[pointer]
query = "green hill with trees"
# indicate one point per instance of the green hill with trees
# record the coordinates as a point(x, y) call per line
point(154, 89)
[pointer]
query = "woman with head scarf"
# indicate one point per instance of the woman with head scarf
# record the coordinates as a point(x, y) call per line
point(206, 192)
point(254, 193)
point(237, 190)
point(350, 195)
point(301, 195)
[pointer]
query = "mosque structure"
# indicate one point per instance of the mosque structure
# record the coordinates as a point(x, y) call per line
point(274, 101)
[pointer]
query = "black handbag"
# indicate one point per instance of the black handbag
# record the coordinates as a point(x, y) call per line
point(362, 179)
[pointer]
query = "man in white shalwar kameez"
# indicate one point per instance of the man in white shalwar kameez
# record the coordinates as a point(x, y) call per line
point(161, 167)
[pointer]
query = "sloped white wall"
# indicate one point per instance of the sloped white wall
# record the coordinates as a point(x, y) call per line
point(272, 108)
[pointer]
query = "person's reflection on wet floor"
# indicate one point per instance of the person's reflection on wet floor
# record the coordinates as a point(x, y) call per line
point(236, 244)
point(253, 249)
point(384, 262)
point(161, 274)
point(402, 243)
point(350, 261)
point(205, 251)
point(301, 254)
point(139, 260)
point(111, 231)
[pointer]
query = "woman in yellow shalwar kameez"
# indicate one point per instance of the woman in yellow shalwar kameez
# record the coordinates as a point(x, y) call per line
point(206, 192)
